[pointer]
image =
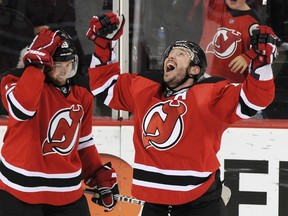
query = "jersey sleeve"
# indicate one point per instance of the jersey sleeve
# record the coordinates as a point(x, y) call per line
point(90, 161)
point(102, 77)
point(118, 89)
point(21, 94)
point(233, 102)
point(87, 150)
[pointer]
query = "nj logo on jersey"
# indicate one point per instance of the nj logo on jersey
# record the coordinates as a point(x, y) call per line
point(63, 131)
point(163, 125)
point(224, 43)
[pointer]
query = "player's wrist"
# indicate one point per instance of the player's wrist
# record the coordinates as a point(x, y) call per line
point(36, 66)
point(39, 66)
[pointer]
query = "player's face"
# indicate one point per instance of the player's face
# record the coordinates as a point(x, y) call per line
point(175, 67)
point(60, 72)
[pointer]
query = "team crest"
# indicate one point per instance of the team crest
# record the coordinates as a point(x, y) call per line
point(63, 130)
point(163, 125)
point(224, 43)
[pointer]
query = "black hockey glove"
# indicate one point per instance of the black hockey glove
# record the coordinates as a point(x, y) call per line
point(104, 31)
point(105, 186)
point(41, 50)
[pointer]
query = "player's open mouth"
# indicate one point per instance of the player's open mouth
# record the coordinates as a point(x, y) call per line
point(170, 66)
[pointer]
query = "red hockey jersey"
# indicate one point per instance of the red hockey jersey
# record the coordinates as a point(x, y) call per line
point(226, 35)
point(177, 137)
point(48, 146)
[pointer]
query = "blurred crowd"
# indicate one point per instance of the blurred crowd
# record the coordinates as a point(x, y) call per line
point(194, 20)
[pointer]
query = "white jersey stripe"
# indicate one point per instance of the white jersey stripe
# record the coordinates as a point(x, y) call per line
point(105, 86)
point(109, 96)
point(39, 188)
point(40, 174)
point(10, 95)
point(172, 172)
point(165, 186)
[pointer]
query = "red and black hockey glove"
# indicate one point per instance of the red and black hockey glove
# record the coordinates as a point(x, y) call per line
point(106, 185)
point(263, 52)
point(42, 48)
point(263, 41)
point(104, 31)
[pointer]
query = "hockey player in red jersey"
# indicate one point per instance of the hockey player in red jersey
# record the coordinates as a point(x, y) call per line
point(226, 38)
point(179, 120)
point(48, 147)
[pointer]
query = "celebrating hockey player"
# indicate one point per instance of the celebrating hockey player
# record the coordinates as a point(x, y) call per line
point(48, 147)
point(179, 121)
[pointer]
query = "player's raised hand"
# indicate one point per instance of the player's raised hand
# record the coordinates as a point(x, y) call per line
point(104, 31)
point(263, 52)
point(263, 41)
point(42, 48)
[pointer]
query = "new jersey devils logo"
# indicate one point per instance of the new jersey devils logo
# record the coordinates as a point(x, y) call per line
point(63, 131)
point(224, 43)
point(163, 125)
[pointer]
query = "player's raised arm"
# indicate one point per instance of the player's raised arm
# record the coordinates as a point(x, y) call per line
point(104, 31)
point(258, 90)
point(264, 52)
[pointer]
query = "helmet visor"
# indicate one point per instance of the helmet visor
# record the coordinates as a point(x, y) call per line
point(74, 66)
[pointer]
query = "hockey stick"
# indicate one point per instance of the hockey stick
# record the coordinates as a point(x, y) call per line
point(118, 197)
point(226, 194)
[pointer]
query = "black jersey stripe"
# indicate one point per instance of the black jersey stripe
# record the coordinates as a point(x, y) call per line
point(245, 109)
point(160, 178)
point(17, 112)
point(34, 181)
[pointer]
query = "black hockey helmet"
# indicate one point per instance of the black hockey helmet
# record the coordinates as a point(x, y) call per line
point(67, 51)
point(198, 59)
